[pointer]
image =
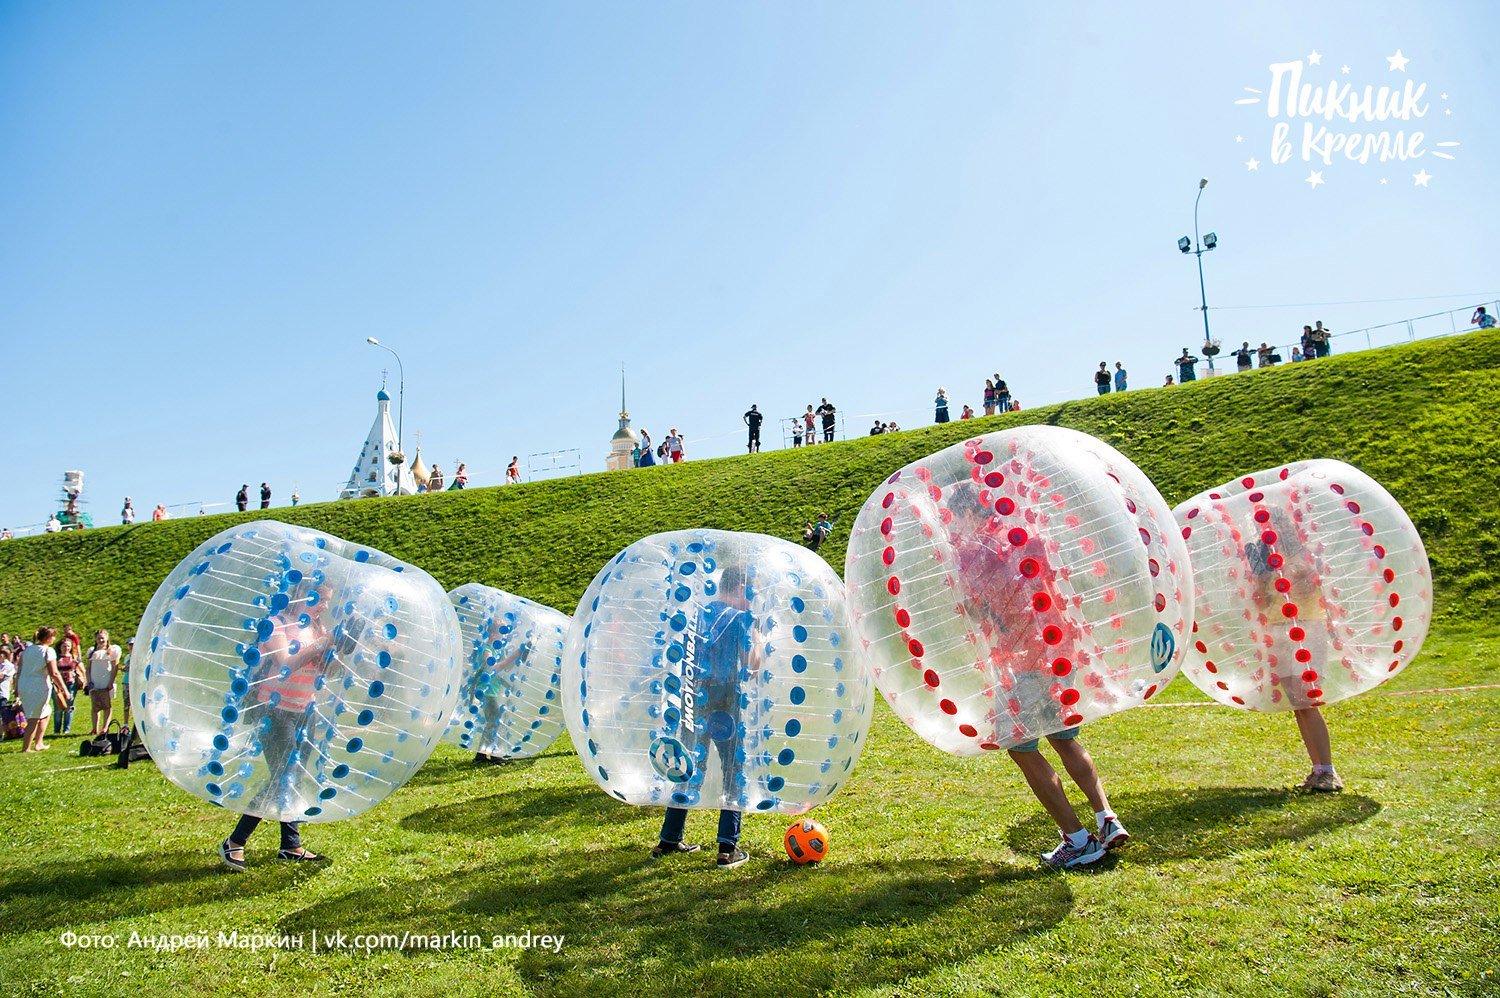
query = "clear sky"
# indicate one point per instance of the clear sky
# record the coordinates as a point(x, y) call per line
point(207, 208)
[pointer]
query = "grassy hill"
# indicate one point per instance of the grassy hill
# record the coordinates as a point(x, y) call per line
point(1419, 418)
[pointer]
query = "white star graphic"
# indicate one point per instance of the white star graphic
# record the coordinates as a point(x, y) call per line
point(1420, 178)
point(1444, 95)
point(1239, 138)
point(1252, 163)
point(1447, 110)
point(1314, 57)
point(1397, 62)
point(1314, 178)
point(1384, 181)
point(1344, 70)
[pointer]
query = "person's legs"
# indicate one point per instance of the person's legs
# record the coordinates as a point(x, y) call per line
point(1080, 766)
point(243, 830)
point(673, 824)
point(33, 740)
point(729, 830)
point(1042, 779)
point(291, 836)
point(1314, 732)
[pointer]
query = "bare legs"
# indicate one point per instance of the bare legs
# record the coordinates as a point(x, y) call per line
point(1042, 779)
point(1315, 736)
point(33, 740)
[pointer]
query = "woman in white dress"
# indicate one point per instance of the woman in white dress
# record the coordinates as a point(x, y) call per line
point(104, 667)
point(38, 683)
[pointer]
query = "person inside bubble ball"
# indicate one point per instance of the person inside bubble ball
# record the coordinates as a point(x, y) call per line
point(1280, 575)
point(298, 652)
point(724, 650)
point(1028, 681)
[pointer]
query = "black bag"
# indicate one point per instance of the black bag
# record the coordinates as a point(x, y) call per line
point(134, 750)
point(107, 743)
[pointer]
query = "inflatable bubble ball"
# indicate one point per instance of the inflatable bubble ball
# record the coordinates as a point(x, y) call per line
point(708, 669)
point(510, 701)
point(286, 673)
point(1311, 584)
point(1016, 585)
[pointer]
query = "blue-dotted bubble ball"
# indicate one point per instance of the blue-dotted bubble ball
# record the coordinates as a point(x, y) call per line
point(510, 701)
point(286, 673)
point(710, 669)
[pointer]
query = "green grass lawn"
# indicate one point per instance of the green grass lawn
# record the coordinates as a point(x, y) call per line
point(1235, 884)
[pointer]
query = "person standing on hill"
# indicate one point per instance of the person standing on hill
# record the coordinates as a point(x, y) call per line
point(460, 477)
point(1187, 367)
point(1101, 378)
point(127, 512)
point(265, 496)
point(1322, 340)
point(159, 513)
point(1243, 357)
point(796, 431)
point(807, 422)
point(435, 479)
point(648, 452)
point(940, 406)
point(1481, 319)
point(829, 414)
point(1120, 376)
point(1002, 394)
point(968, 412)
point(674, 445)
point(753, 420)
point(242, 498)
point(513, 470)
point(990, 397)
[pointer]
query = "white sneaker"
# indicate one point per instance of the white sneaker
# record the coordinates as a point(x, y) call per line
point(1112, 833)
point(1067, 855)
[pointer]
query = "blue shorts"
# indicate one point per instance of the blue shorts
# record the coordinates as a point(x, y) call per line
point(1065, 735)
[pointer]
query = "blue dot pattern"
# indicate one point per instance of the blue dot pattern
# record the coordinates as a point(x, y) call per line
point(287, 673)
point(711, 669)
point(510, 702)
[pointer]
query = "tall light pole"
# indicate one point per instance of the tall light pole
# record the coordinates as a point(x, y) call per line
point(400, 404)
point(1198, 247)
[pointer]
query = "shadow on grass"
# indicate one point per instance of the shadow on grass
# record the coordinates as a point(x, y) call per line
point(450, 769)
point(1171, 825)
point(75, 892)
point(629, 920)
point(534, 810)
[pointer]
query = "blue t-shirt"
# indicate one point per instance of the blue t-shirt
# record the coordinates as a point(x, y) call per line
point(1120, 380)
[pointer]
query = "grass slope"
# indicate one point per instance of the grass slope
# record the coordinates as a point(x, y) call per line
point(1420, 419)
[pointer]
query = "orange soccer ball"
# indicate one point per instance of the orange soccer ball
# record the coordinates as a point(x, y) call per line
point(806, 842)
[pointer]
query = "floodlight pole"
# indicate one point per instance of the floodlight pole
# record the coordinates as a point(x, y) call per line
point(1198, 252)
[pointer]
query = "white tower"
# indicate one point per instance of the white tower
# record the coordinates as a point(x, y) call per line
point(374, 474)
point(625, 439)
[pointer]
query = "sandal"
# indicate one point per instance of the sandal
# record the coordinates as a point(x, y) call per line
point(300, 855)
point(237, 865)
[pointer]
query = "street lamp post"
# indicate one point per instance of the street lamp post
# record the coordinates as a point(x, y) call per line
point(400, 405)
point(1198, 247)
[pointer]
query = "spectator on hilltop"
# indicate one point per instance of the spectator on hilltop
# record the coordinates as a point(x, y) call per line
point(1308, 342)
point(159, 513)
point(648, 451)
point(1101, 378)
point(1168, 383)
point(968, 412)
point(891, 427)
point(242, 498)
point(991, 397)
point(753, 419)
point(1243, 357)
point(877, 429)
point(1120, 376)
point(940, 405)
point(6, 535)
point(796, 431)
point(1481, 319)
point(829, 415)
point(460, 477)
point(1002, 395)
point(54, 525)
point(296, 498)
point(1265, 356)
point(1296, 354)
point(1322, 339)
point(513, 470)
point(127, 512)
point(265, 496)
point(1187, 367)
point(435, 479)
point(807, 422)
point(676, 450)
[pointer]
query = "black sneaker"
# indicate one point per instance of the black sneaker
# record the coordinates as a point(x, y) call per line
point(672, 848)
point(735, 857)
point(237, 865)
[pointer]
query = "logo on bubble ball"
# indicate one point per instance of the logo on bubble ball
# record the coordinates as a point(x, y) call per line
point(670, 759)
point(1163, 644)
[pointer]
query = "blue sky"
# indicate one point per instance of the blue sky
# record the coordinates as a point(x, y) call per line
point(207, 210)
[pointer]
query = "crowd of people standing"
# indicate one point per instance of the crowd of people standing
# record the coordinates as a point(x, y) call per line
point(42, 679)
